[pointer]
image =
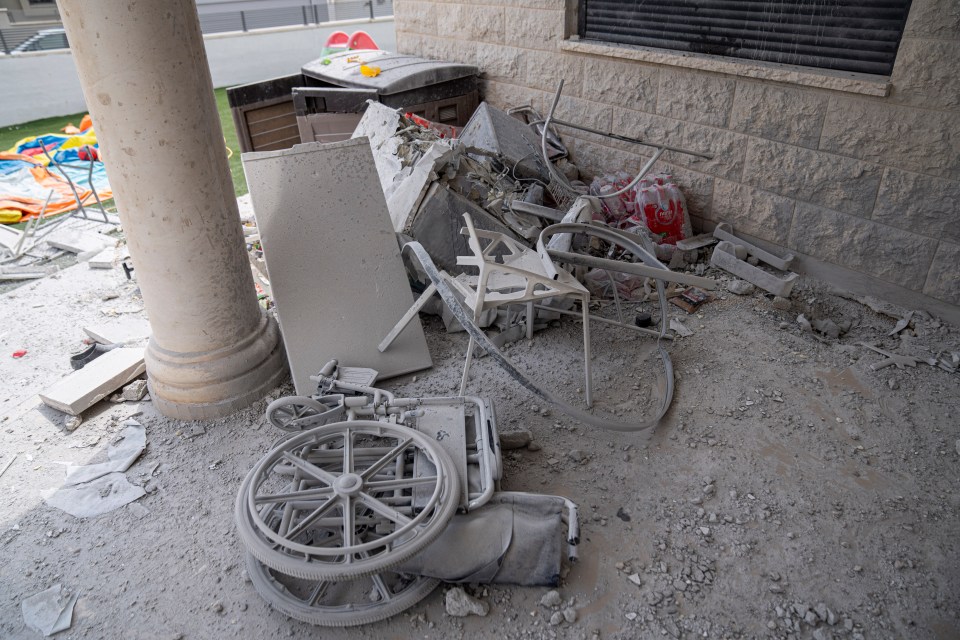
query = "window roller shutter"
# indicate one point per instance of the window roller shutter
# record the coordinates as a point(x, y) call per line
point(846, 35)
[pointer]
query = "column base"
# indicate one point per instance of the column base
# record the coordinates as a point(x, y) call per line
point(214, 384)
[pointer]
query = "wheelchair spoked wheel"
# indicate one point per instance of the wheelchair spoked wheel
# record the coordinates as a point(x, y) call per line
point(296, 413)
point(339, 604)
point(346, 500)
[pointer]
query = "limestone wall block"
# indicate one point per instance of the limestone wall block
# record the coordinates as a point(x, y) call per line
point(534, 29)
point(695, 97)
point(416, 17)
point(501, 63)
point(633, 86)
point(918, 203)
point(926, 74)
point(752, 211)
point(778, 113)
point(933, 19)
point(943, 280)
point(913, 139)
point(839, 183)
point(890, 254)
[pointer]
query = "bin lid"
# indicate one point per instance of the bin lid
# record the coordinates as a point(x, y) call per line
point(398, 72)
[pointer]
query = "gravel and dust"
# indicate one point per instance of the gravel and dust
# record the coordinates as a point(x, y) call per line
point(791, 491)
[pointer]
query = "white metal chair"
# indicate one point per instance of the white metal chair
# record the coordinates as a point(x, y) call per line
point(516, 276)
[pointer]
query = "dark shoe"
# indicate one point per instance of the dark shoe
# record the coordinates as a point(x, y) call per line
point(88, 355)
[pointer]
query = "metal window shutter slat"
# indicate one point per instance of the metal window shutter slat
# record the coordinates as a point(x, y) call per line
point(846, 35)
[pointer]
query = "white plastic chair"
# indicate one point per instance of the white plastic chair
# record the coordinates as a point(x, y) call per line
point(515, 276)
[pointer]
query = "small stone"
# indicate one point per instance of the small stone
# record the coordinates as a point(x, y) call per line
point(245, 576)
point(733, 495)
point(821, 610)
point(709, 489)
point(679, 585)
point(515, 440)
point(634, 578)
point(811, 618)
point(534, 446)
point(556, 618)
point(551, 599)
point(134, 391)
point(831, 618)
point(740, 287)
point(771, 625)
point(460, 604)
point(72, 422)
point(217, 607)
point(671, 628)
point(893, 384)
point(857, 568)
point(570, 615)
point(781, 304)
point(630, 616)
point(578, 455)
point(705, 531)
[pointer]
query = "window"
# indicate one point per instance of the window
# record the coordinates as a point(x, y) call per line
point(845, 35)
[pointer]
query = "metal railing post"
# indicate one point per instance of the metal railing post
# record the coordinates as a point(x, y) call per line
point(3, 43)
point(243, 21)
point(303, 10)
point(370, 4)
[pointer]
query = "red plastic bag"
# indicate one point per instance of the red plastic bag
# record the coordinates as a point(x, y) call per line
point(661, 208)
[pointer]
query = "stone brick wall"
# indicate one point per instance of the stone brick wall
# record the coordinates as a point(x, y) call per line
point(870, 183)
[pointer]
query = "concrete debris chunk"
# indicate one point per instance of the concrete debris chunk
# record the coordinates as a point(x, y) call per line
point(551, 599)
point(104, 259)
point(460, 604)
point(123, 330)
point(679, 328)
point(740, 288)
point(77, 241)
point(134, 391)
point(724, 257)
point(515, 439)
point(97, 380)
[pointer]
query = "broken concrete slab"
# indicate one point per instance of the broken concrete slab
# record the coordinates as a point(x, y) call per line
point(335, 269)
point(78, 241)
point(697, 242)
point(724, 257)
point(97, 380)
point(680, 329)
point(122, 330)
point(104, 259)
point(25, 273)
point(725, 232)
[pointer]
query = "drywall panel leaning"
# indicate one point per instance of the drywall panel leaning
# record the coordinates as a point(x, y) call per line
point(335, 269)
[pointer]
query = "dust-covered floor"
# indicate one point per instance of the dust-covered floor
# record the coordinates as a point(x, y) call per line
point(791, 491)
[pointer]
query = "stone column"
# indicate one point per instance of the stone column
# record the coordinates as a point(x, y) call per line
point(147, 85)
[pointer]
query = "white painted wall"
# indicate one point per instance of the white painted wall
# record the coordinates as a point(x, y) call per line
point(45, 84)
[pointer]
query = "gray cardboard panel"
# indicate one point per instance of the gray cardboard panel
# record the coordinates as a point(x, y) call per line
point(334, 262)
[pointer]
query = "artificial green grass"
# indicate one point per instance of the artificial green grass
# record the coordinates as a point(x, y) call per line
point(9, 136)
